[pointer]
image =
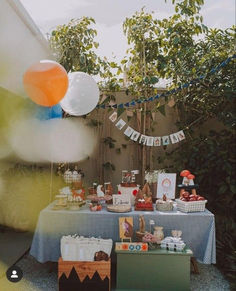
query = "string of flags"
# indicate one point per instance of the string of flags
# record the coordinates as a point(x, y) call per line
point(173, 91)
point(145, 139)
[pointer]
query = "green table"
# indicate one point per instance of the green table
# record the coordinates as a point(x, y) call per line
point(153, 270)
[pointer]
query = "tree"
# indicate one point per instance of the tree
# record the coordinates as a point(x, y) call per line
point(74, 45)
point(180, 49)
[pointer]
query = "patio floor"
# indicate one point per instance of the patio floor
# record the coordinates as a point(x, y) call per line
point(38, 278)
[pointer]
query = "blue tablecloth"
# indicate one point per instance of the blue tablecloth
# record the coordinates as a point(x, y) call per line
point(198, 229)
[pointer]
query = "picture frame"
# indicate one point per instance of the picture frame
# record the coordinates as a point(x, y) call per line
point(166, 183)
point(126, 228)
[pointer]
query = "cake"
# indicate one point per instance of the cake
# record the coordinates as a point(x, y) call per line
point(143, 200)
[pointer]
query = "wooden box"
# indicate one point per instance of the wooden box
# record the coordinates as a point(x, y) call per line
point(74, 275)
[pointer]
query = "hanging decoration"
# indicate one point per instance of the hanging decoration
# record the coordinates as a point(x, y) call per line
point(145, 139)
point(170, 92)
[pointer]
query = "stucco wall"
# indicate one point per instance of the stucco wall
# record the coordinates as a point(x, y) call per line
point(21, 44)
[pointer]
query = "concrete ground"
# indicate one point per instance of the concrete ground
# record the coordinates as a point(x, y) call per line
point(38, 278)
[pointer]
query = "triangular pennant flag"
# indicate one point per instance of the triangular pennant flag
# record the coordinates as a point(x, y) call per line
point(121, 105)
point(114, 106)
point(132, 103)
point(127, 104)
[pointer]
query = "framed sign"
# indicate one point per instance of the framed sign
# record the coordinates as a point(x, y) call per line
point(126, 227)
point(119, 199)
point(166, 185)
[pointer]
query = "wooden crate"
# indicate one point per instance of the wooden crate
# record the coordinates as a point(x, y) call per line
point(74, 275)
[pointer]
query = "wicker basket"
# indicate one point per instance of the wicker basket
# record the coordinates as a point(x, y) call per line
point(164, 206)
point(192, 206)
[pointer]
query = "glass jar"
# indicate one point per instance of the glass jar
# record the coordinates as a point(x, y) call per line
point(124, 176)
point(158, 233)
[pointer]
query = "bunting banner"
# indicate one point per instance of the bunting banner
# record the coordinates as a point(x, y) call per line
point(142, 139)
point(169, 92)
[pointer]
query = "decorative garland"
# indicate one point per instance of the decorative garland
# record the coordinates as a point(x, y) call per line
point(145, 139)
point(173, 91)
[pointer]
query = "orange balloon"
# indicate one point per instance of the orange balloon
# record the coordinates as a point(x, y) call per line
point(46, 82)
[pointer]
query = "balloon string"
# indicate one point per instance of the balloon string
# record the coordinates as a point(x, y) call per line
point(51, 183)
point(51, 168)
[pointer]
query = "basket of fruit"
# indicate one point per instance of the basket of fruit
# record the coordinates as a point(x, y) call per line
point(191, 203)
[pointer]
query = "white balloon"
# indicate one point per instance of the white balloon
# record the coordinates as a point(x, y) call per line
point(82, 95)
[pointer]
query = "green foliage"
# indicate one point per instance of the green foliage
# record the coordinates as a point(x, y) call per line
point(75, 50)
point(109, 141)
point(180, 49)
point(212, 159)
point(140, 67)
point(109, 166)
point(94, 122)
point(74, 45)
point(109, 72)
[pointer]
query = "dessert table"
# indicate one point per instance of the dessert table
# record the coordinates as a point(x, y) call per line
point(198, 229)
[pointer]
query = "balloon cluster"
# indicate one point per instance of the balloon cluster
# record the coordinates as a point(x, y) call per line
point(48, 84)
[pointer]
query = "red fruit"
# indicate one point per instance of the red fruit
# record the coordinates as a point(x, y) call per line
point(184, 199)
point(192, 199)
point(200, 198)
point(186, 195)
point(119, 192)
point(192, 196)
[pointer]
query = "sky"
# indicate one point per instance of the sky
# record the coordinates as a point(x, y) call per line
point(110, 14)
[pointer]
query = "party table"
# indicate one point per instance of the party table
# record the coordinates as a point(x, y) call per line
point(198, 229)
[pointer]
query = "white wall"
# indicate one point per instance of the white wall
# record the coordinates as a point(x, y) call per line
point(21, 44)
